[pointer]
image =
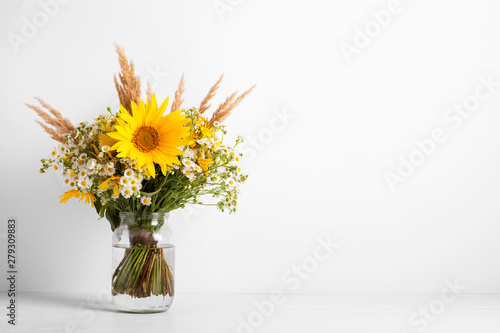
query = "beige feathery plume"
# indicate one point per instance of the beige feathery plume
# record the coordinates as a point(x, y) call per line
point(178, 100)
point(204, 106)
point(129, 87)
point(149, 92)
point(61, 126)
point(224, 110)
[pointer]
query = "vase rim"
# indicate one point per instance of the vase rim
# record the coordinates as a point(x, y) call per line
point(145, 214)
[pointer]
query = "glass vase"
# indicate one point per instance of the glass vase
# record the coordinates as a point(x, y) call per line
point(143, 263)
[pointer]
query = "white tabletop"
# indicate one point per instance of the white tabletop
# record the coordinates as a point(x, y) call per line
point(225, 313)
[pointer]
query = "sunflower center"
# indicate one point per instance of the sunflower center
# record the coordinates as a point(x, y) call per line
point(146, 138)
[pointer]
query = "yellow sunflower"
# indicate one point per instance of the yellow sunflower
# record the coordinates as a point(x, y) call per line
point(149, 137)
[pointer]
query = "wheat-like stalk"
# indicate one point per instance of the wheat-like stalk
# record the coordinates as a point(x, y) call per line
point(224, 110)
point(204, 106)
point(61, 126)
point(129, 85)
point(178, 100)
point(149, 92)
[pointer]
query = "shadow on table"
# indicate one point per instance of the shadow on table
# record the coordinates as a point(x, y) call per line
point(98, 301)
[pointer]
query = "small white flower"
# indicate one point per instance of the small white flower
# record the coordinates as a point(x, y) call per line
point(124, 181)
point(189, 174)
point(109, 170)
point(136, 180)
point(105, 149)
point(66, 180)
point(231, 182)
point(188, 163)
point(135, 188)
point(197, 168)
point(146, 201)
point(72, 183)
point(82, 156)
point(126, 192)
point(129, 173)
point(61, 150)
point(100, 155)
point(84, 182)
point(91, 163)
point(80, 164)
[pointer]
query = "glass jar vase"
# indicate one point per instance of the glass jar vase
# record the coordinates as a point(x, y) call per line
point(143, 263)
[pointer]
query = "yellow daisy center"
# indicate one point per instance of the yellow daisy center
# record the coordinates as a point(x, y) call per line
point(146, 138)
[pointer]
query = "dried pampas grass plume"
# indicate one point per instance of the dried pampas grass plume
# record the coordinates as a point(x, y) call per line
point(204, 106)
point(178, 100)
point(129, 86)
point(61, 126)
point(224, 110)
point(149, 92)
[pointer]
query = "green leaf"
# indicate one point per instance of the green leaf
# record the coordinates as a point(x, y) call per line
point(150, 194)
point(112, 215)
point(98, 205)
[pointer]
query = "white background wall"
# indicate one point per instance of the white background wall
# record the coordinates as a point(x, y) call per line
point(322, 174)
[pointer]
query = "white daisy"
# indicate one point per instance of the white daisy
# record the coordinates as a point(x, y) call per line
point(91, 163)
point(129, 173)
point(109, 169)
point(189, 174)
point(188, 163)
point(135, 181)
point(124, 181)
point(66, 180)
point(231, 182)
point(146, 201)
point(126, 192)
point(105, 149)
point(84, 182)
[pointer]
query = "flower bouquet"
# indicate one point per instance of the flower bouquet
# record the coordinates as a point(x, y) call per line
point(136, 164)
